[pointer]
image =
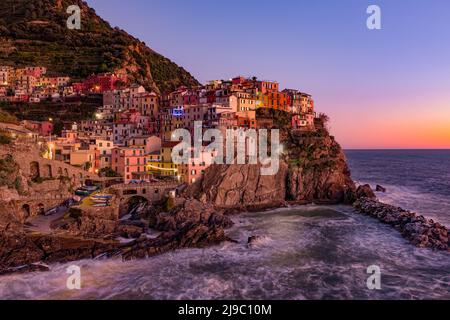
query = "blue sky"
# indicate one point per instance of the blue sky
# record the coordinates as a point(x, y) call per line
point(386, 88)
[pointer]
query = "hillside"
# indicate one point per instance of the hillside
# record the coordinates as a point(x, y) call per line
point(34, 32)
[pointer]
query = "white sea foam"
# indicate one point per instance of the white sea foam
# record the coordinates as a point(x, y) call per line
point(306, 254)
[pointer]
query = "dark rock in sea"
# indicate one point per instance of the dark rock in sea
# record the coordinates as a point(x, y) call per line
point(422, 232)
point(192, 211)
point(253, 240)
point(190, 235)
point(129, 231)
point(380, 188)
point(365, 191)
point(190, 224)
point(20, 249)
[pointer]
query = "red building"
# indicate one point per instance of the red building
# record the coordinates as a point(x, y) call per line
point(100, 83)
point(45, 128)
point(77, 87)
point(191, 98)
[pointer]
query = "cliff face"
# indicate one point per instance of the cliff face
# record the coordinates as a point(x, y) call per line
point(313, 169)
point(318, 170)
point(34, 32)
point(241, 186)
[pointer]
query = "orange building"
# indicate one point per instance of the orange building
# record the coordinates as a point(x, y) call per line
point(274, 100)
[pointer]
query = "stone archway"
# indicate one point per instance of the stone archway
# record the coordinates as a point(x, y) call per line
point(34, 170)
point(134, 202)
point(26, 211)
point(66, 172)
point(59, 172)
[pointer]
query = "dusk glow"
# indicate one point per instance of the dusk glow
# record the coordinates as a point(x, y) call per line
point(233, 157)
point(384, 88)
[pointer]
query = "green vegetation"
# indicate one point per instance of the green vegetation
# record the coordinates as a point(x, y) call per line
point(87, 166)
point(60, 112)
point(9, 173)
point(168, 204)
point(281, 119)
point(5, 138)
point(39, 180)
point(7, 117)
point(34, 32)
point(108, 172)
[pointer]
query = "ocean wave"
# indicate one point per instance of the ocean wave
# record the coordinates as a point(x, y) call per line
point(303, 254)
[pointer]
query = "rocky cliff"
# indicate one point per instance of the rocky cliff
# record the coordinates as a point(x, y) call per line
point(313, 168)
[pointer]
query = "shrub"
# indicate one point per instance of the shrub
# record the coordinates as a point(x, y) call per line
point(5, 138)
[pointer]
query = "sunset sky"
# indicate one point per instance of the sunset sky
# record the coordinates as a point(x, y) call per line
point(386, 88)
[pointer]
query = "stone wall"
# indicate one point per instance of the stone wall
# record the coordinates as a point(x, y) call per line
point(42, 183)
point(34, 166)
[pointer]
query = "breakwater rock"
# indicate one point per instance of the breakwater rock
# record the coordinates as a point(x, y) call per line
point(420, 231)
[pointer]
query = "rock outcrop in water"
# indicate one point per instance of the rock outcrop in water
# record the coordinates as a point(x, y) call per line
point(189, 224)
point(20, 250)
point(90, 222)
point(313, 169)
point(365, 191)
point(422, 232)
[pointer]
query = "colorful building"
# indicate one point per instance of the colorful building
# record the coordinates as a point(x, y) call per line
point(165, 165)
point(128, 160)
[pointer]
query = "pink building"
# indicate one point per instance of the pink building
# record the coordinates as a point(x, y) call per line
point(195, 169)
point(129, 116)
point(128, 160)
point(45, 128)
point(303, 121)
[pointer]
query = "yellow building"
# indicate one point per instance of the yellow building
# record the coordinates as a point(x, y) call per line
point(162, 164)
point(246, 101)
point(84, 158)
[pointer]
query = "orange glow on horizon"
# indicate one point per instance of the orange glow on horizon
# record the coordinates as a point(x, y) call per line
point(401, 127)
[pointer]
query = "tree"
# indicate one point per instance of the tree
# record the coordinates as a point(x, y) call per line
point(58, 127)
point(108, 172)
point(87, 166)
point(324, 118)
